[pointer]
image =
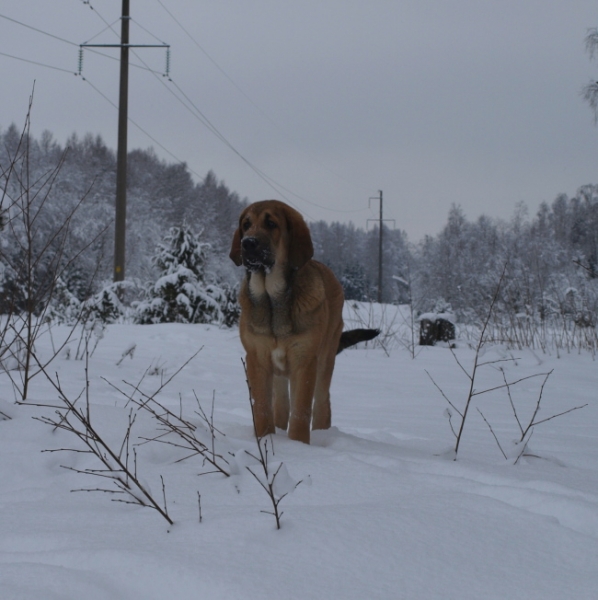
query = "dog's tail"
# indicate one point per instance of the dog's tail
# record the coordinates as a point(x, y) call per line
point(354, 336)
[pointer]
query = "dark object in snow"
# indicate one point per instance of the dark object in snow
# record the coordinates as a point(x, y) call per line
point(434, 329)
point(354, 336)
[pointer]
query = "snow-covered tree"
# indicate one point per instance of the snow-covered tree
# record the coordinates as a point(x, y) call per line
point(181, 293)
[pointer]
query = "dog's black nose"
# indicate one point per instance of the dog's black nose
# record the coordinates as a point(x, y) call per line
point(249, 244)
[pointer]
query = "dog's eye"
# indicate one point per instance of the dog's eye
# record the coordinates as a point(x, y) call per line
point(246, 225)
point(270, 224)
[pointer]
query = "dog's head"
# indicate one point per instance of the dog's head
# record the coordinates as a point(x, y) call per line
point(271, 232)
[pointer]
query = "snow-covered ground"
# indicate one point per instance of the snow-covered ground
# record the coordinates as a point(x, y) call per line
point(382, 510)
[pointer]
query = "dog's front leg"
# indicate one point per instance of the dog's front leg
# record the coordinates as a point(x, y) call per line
point(281, 402)
point(303, 381)
point(259, 374)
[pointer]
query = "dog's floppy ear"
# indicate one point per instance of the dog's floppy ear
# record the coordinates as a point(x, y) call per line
point(235, 250)
point(301, 248)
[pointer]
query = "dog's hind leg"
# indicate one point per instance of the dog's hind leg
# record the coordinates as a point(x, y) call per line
point(322, 412)
point(303, 383)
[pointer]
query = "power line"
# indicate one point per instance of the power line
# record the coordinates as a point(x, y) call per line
point(113, 58)
point(144, 68)
point(189, 104)
point(33, 62)
point(146, 30)
point(39, 30)
point(133, 122)
point(259, 109)
point(205, 121)
point(109, 26)
point(204, 51)
point(276, 186)
point(98, 91)
point(199, 115)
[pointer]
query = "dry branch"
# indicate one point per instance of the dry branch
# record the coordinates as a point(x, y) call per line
point(175, 426)
point(77, 421)
point(268, 480)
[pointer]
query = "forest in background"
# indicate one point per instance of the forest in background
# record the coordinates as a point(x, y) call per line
point(550, 259)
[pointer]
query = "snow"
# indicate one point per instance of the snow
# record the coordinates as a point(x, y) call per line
point(381, 511)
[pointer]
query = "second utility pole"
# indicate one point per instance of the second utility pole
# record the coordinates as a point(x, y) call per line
point(381, 221)
point(380, 245)
point(380, 253)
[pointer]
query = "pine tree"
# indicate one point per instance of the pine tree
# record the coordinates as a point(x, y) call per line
point(181, 294)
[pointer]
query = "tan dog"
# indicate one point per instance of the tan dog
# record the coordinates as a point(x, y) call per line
point(291, 320)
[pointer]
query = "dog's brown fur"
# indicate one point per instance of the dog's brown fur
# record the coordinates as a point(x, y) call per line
point(291, 320)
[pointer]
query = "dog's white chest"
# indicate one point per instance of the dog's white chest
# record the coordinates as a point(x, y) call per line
point(275, 282)
point(272, 283)
point(257, 285)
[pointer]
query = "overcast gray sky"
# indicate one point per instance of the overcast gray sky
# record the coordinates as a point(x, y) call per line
point(472, 102)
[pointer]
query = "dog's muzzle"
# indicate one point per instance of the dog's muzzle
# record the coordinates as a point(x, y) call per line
point(256, 255)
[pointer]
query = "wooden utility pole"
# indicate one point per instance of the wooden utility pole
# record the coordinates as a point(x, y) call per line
point(120, 218)
point(380, 242)
point(380, 252)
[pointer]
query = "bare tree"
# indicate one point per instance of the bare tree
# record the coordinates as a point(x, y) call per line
point(35, 260)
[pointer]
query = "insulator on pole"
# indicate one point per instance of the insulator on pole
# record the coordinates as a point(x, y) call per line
point(80, 60)
point(167, 74)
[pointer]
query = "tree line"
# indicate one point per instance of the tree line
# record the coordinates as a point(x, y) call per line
point(551, 258)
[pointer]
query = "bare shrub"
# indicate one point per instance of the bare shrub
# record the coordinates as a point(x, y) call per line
point(117, 467)
point(274, 479)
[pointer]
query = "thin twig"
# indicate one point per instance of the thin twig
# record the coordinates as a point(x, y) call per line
point(531, 421)
point(492, 432)
point(443, 394)
point(524, 446)
point(508, 386)
point(559, 414)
